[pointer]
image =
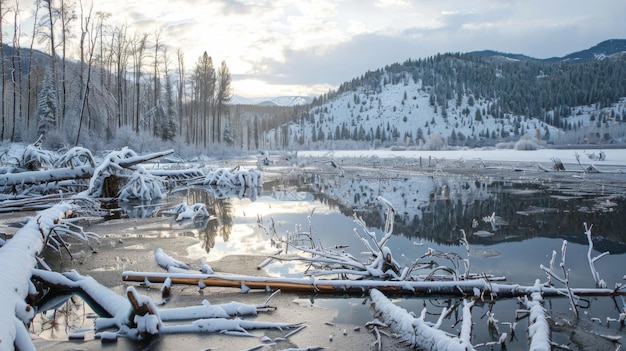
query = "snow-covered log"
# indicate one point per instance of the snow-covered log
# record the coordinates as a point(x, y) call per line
point(177, 174)
point(9, 180)
point(228, 182)
point(206, 310)
point(539, 328)
point(114, 164)
point(416, 331)
point(17, 258)
point(115, 161)
point(451, 288)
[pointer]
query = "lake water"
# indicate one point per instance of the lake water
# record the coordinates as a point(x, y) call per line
point(534, 213)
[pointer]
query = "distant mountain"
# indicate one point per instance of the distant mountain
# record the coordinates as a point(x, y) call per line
point(271, 101)
point(606, 49)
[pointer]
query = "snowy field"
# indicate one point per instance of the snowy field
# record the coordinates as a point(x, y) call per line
point(614, 157)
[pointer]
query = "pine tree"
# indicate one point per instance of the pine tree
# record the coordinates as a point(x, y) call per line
point(47, 105)
point(169, 127)
point(229, 134)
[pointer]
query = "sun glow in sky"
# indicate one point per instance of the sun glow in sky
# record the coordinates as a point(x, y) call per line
point(280, 47)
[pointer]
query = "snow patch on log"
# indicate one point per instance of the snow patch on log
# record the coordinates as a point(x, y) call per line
point(165, 261)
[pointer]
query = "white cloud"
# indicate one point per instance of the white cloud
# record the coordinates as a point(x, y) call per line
point(311, 44)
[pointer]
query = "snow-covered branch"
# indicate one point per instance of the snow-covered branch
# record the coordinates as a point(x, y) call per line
point(596, 276)
point(105, 179)
point(416, 331)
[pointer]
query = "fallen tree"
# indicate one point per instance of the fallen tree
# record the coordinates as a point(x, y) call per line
point(18, 257)
point(40, 178)
point(461, 288)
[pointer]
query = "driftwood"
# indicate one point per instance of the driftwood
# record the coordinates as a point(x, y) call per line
point(9, 180)
point(462, 288)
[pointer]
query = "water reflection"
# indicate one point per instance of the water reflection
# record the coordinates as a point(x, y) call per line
point(220, 222)
point(435, 207)
point(59, 322)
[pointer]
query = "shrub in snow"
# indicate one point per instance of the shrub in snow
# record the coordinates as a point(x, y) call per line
point(34, 158)
point(506, 145)
point(54, 140)
point(435, 142)
point(132, 181)
point(526, 143)
point(142, 186)
point(74, 157)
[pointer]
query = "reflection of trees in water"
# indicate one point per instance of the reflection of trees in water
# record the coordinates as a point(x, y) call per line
point(70, 316)
point(220, 223)
point(531, 209)
point(138, 209)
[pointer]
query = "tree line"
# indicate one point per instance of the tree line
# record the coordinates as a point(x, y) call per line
point(98, 80)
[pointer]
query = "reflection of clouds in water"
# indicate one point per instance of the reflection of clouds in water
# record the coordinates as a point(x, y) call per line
point(196, 251)
point(267, 206)
point(285, 269)
point(245, 239)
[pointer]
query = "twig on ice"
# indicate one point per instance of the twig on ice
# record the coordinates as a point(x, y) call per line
point(564, 279)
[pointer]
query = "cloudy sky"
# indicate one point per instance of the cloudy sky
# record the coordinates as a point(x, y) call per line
point(305, 47)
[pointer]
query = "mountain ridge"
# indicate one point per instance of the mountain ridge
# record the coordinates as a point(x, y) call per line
point(285, 101)
point(602, 50)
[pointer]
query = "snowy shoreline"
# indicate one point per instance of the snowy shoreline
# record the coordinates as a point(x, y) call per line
point(614, 157)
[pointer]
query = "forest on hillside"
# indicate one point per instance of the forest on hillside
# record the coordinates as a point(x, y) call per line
point(521, 87)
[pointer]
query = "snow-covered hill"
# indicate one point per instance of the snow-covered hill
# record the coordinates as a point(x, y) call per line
point(401, 113)
point(404, 115)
